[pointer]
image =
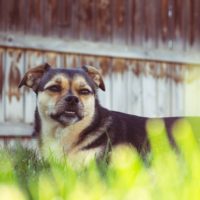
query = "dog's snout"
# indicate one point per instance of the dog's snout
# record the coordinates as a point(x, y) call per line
point(72, 100)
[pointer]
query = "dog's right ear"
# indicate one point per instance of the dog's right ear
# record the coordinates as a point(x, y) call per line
point(33, 76)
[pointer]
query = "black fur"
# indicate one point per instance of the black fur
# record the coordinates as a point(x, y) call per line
point(122, 128)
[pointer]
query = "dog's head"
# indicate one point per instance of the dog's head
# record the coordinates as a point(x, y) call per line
point(64, 95)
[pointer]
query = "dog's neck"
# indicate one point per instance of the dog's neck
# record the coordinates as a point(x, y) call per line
point(58, 138)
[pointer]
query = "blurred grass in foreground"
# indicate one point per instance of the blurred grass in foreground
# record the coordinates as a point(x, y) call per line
point(166, 173)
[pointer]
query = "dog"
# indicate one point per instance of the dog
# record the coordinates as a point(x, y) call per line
point(70, 120)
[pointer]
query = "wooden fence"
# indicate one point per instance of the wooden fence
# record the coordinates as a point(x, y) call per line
point(148, 88)
point(147, 51)
point(149, 24)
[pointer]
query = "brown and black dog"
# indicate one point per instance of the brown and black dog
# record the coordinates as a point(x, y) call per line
point(70, 119)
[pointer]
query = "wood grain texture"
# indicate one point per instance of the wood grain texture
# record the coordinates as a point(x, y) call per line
point(103, 25)
point(137, 22)
point(32, 59)
point(72, 60)
point(133, 23)
point(86, 19)
point(105, 97)
point(88, 60)
point(141, 87)
point(51, 17)
point(13, 97)
point(119, 86)
point(134, 88)
point(35, 17)
point(53, 58)
point(2, 107)
point(149, 95)
point(119, 22)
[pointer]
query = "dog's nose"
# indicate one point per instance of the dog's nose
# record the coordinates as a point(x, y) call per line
point(72, 100)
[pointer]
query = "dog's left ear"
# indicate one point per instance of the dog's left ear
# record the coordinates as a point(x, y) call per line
point(33, 76)
point(95, 75)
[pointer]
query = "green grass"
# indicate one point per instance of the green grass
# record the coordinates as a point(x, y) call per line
point(165, 173)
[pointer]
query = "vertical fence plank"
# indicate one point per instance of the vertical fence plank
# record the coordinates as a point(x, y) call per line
point(103, 21)
point(134, 88)
point(182, 24)
point(75, 25)
point(192, 90)
point(35, 17)
point(119, 21)
point(2, 15)
point(197, 90)
point(138, 23)
point(2, 75)
point(164, 23)
point(13, 97)
point(72, 60)
point(88, 60)
point(195, 24)
point(52, 58)
point(65, 17)
point(86, 19)
point(150, 24)
point(163, 90)
point(16, 15)
point(105, 98)
point(32, 59)
point(177, 90)
point(119, 90)
point(51, 17)
point(149, 89)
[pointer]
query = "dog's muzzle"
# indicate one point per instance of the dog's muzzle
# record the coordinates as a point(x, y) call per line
point(68, 111)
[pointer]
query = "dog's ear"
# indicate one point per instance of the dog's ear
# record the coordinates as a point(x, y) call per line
point(33, 76)
point(95, 75)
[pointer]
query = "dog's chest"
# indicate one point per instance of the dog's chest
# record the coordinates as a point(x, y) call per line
point(60, 144)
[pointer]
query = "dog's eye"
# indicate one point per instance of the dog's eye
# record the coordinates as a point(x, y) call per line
point(84, 91)
point(54, 88)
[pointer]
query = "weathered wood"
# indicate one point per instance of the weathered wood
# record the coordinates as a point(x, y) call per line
point(104, 64)
point(177, 90)
point(163, 90)
point(65, 15)
point(13, 74)
point(151, 29)
point(103, 23)
point(119, 90)
point(192, 91)
point(119, 22)
point(54, 59)
point(16, 15)
point(2, 16)
point(138, 22)
point(35, 17)
point(86, 19)
point(159, 23)
point(195, 24)
point(72, 60)
point(134, 88)
point(32, 59)
point(2, 75)
point(149, 89)
point(51, 17)
point(15, 129)
point(88, 60)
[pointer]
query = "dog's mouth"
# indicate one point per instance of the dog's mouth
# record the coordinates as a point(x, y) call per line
point(67, 117)
point(69, 113)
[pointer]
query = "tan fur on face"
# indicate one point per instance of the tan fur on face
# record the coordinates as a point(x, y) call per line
point(56, 138)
